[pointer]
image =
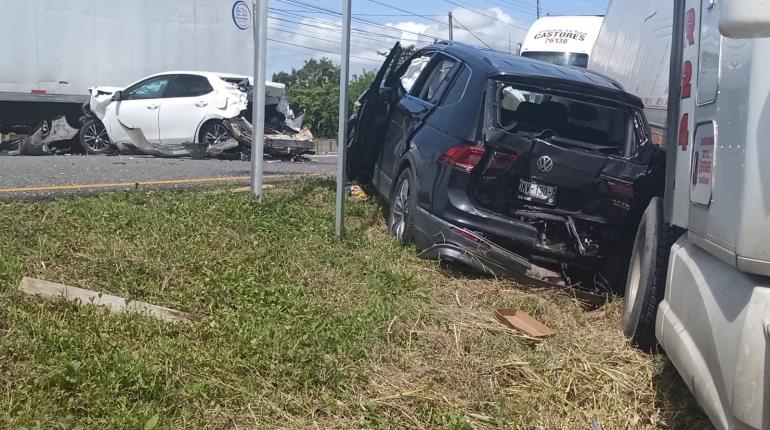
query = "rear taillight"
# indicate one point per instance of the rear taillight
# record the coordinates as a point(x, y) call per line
point(463, 157)
point(472, 237)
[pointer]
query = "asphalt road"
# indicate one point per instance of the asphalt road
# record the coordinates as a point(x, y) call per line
point(34, 177)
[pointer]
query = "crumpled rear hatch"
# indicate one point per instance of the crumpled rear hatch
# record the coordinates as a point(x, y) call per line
point(562, 162)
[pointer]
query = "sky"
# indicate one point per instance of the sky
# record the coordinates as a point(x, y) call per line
point(302, 29)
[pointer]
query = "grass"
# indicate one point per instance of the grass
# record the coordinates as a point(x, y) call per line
point(298, 330)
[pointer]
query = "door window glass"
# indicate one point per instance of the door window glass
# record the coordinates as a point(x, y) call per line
point(152, 88)
point(457, 91)
point(435, 84)
point(413, 70)
point(189, 86)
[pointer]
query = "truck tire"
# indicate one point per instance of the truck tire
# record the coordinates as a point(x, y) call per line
point(93, 137)
point(646, 280)
point(403, 204)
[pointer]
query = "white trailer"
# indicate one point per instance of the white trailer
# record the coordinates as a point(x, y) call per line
point(55, 50)
point(699, 276)
point(564, 40)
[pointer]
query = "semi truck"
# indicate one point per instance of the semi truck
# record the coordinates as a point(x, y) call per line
point(698, 282)
point(563, 40)
point(55, 50)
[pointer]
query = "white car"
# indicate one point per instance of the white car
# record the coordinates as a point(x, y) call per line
point(169, 110)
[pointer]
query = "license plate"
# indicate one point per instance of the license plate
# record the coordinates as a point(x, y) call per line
point(536, 192)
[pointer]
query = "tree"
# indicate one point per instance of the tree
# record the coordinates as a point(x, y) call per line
point(314, 89)
point(407, 52)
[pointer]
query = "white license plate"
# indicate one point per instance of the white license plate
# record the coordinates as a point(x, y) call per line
point(537, 192)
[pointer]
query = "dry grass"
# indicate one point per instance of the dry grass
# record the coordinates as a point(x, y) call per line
point(300, 331)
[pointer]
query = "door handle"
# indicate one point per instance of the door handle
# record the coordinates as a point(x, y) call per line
point(152, 107)
point(202, 104)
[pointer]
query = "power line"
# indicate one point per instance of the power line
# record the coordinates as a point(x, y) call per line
point(472, 33)
point(331, 26)
point(484, 15)
point(320, 50)
point(335, 13)
point(315, 37)
point(407, 12)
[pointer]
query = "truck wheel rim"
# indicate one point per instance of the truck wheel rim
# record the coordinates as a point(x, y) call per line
point(634, 276)
point(96, 137)
point(400, 210)
point(217, 134)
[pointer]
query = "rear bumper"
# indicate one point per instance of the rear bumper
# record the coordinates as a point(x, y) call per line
point(442, 240)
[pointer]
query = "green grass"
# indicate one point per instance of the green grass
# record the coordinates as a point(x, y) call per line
point(298, 329)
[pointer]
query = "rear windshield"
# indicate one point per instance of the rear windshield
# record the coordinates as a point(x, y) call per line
point(597, 126)
point(559, 58)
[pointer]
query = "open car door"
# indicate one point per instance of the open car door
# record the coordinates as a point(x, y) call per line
point(369, 116)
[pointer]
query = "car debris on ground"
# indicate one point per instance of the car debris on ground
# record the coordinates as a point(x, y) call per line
point(356, 192)
point(48, 138)
point(173, 114)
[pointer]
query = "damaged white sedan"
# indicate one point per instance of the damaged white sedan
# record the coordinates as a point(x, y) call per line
point(197, 114)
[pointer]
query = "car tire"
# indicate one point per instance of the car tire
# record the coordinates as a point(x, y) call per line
point(403, 204)
point(214, 132)
point(93, 137)
point(646, 280)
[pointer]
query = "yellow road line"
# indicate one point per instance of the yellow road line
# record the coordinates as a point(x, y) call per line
point(129, 184)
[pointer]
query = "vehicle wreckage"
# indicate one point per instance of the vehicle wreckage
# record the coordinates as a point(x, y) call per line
point(174, 114)
point(510, 166)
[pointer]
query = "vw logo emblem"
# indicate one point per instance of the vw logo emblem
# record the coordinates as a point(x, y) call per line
point(545, 164)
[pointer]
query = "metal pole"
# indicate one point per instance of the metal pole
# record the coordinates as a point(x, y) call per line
point(258, 107)
point(538, 9)
point(451, 24)
point(342, 133)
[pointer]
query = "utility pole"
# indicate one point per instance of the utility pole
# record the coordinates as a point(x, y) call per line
point(342, 132)
point(538, 9)
point(258, 116)
point(509, 43)
point(451, 24)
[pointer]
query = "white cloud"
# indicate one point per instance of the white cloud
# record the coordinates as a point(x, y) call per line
point(368, 44)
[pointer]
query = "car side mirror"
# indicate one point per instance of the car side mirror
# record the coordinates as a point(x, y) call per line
point(117, 96)
point(741, 19)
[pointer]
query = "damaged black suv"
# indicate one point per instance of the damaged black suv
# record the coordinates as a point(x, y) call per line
point(509, 165)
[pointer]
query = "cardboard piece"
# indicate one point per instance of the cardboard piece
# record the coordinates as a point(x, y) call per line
point(521, 321)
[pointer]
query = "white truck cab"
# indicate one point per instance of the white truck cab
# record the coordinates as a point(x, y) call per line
point(563, 40)
point(699, 276)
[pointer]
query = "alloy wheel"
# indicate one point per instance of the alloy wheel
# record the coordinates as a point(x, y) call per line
point(399, 210)
point(95, 137)
point(217, 134)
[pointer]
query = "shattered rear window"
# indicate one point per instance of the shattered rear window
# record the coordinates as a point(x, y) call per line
point(583, 121)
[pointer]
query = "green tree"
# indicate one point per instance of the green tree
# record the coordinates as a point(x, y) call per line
point(315, 90)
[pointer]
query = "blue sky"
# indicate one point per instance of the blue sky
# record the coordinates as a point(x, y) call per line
point(302, 29)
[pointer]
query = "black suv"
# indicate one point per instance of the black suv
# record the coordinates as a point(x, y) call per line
point(509, 165)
